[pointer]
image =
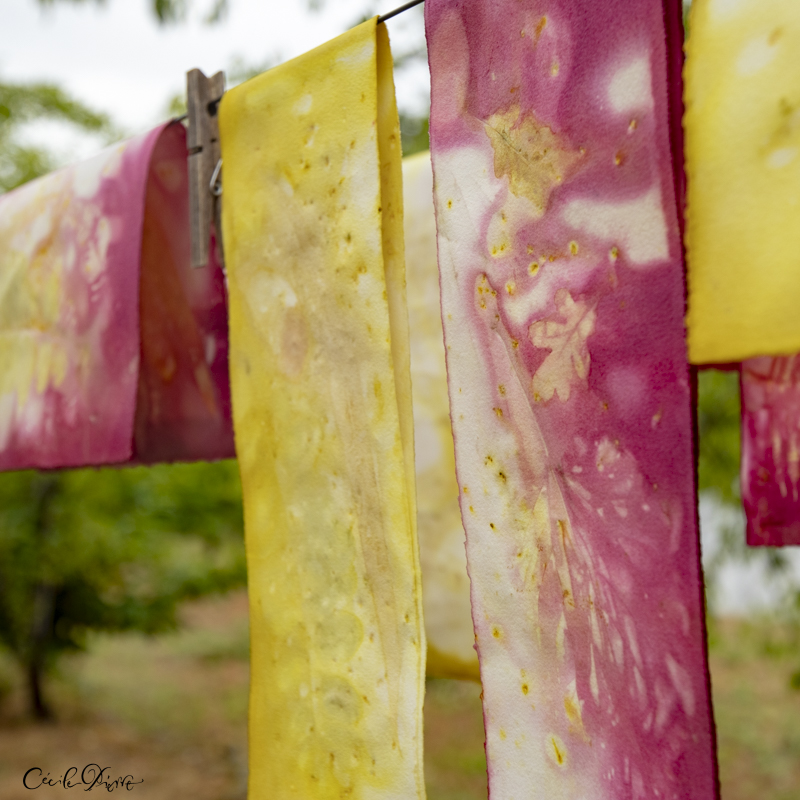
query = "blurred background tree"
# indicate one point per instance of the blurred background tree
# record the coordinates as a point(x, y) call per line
point(110, 550)
point(22, 104)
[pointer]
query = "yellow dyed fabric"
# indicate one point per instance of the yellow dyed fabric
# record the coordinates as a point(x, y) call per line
point(312, 224)
point(743, 162)
point(445, 585)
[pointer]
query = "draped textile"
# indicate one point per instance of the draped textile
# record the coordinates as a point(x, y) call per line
point(111, 349)
point(562, 299)
point(743, 241)
point(770, 477)
point(743, 166)
point(312, 224)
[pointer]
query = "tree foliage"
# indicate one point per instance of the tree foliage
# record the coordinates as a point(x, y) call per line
point(164, 11)
point(718, 421)
point(21, 104)
point(110, 550)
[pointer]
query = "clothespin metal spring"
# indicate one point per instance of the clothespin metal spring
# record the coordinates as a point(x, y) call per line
point(215, 184)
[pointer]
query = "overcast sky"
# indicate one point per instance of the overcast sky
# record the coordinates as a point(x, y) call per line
point(117, 59)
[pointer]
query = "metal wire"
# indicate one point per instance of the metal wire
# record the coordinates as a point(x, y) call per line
point(399, 10)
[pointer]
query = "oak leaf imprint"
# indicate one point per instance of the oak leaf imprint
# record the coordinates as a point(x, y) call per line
point(568, 362)
point(534, 159)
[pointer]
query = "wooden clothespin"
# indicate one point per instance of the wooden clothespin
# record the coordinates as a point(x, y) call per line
point(203, 95)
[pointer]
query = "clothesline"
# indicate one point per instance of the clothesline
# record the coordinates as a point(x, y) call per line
point(400, 10)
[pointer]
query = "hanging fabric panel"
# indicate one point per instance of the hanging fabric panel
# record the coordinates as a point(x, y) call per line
point(183, 408)
point(743, 164)
point(770, 476)
point(445, 583)
point(313, 231)
point(112, 350)
point(562, 300)
point(69, 331)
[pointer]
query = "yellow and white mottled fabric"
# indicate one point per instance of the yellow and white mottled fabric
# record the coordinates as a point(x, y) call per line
point(321, 390)
point(743, 162)
point(445, 583)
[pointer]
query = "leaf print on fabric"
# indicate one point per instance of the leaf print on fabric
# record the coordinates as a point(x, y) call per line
point(533, 158)
point(569, 359)
point(69, 333)
point(583, 532)
point(582, 546)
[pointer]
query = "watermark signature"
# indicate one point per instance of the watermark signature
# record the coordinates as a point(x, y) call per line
point(92, 775)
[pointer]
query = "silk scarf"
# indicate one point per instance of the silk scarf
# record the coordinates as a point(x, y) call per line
point(562, 299)
point(743, 164)
point(312, 223)
point(743, 240)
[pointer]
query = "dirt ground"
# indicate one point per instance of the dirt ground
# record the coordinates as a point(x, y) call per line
point(172, 711)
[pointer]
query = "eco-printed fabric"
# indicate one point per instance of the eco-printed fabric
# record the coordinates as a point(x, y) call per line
point(76, 248)
point(313, 233)
point(562, 301)
point(69, 330)
point(183, 410)
point(445, 583)
point(743, 165)
point(771, 449)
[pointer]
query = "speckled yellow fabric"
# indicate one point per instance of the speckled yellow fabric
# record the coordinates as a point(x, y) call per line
point(743, 163)
point(312, 224)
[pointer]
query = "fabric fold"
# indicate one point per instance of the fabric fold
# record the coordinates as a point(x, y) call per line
point(562, 300)
point(94, 284)
point(69, 288)
point(445, 582)
point(312, 224)
point(183, 410)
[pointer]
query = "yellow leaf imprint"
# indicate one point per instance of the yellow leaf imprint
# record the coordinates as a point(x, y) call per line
point(534, 159)
point(568, 362)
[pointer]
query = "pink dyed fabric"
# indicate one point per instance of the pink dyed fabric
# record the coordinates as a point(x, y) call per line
point(562, 299)
point(771, 449)
point(69, 333)
point(71, 247)
point(184, 409)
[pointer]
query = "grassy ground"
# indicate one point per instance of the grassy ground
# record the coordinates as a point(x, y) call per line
point(172, 710)
point(755, 670)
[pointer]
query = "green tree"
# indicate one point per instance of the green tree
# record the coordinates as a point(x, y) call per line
point(110, 550)
point(21, 104)
point(718, 420)
point(164, 11)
